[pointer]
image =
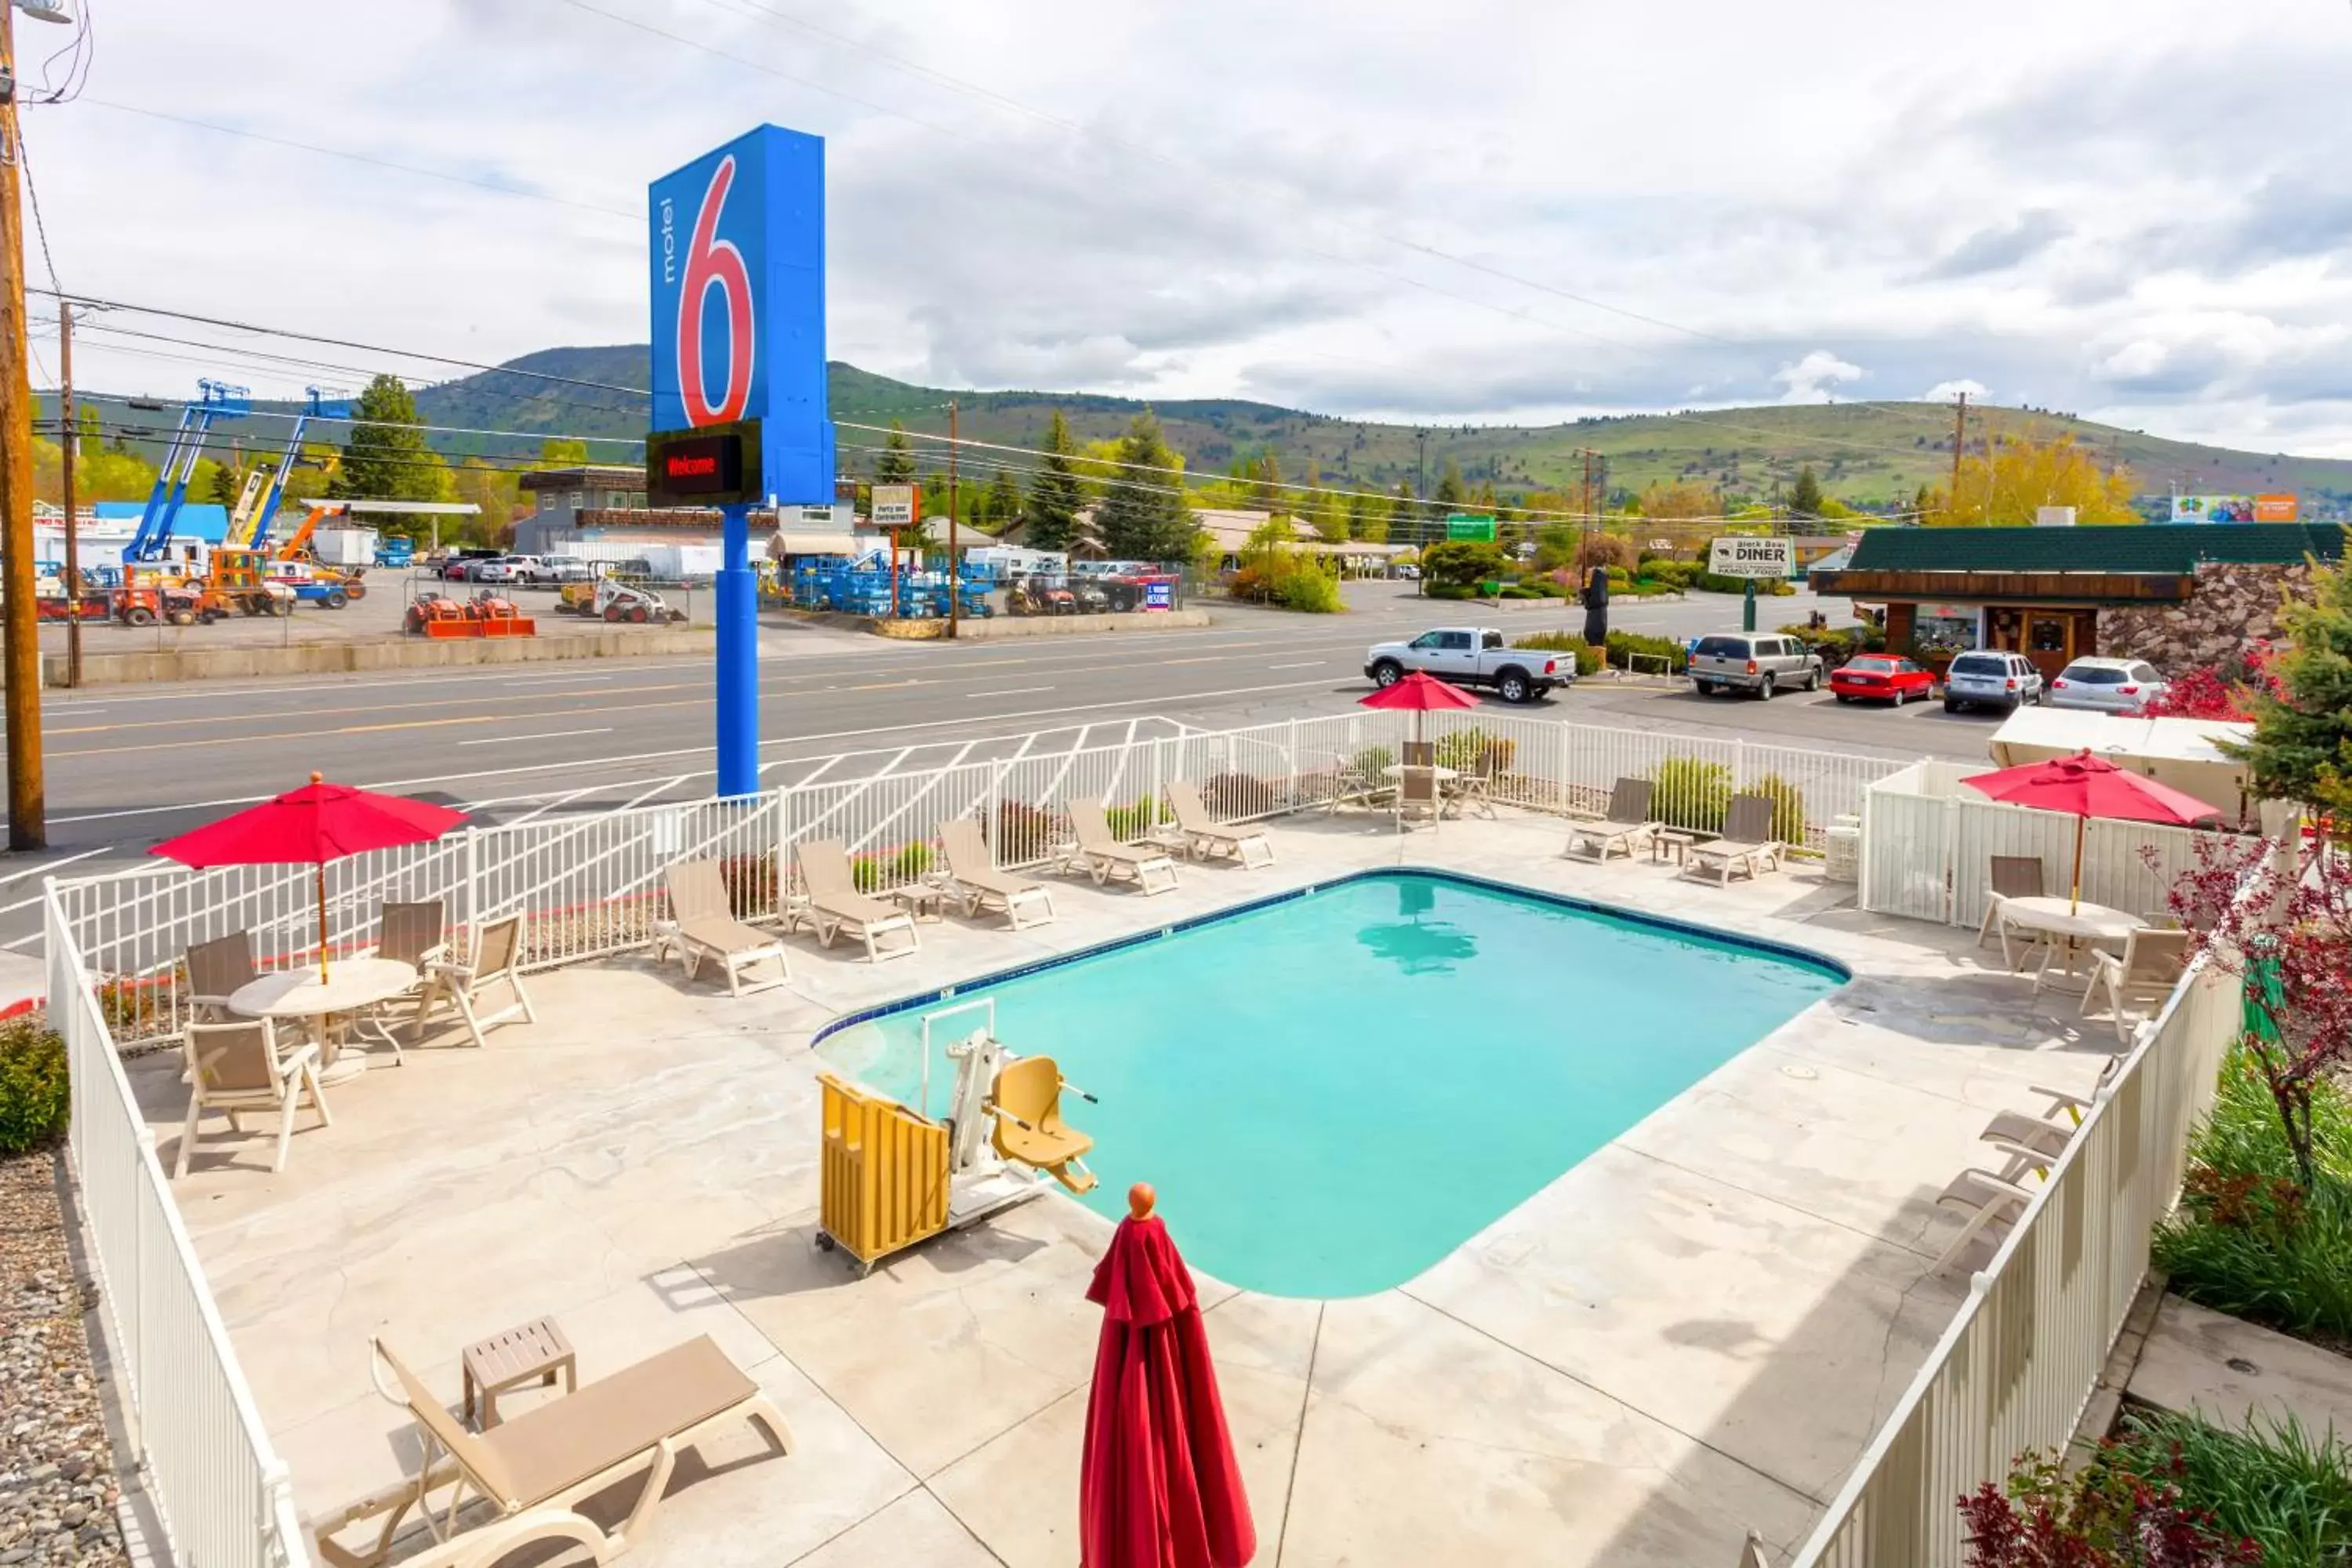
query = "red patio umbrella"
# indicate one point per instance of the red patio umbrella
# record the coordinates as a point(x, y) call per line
point(1157, 1487)
point(309, 827)
point(1419, 693)
point(2091, 786)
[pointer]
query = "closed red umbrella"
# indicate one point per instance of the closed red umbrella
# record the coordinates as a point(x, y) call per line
point(1419, 693)
point(1157, 1487)
point(2090, 786)
point(309, 827)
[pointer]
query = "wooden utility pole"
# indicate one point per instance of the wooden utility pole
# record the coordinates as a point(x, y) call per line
point(67, 438)
point(1585, 516)
point(1959, 440)
point(955, 561)
point(20, 626)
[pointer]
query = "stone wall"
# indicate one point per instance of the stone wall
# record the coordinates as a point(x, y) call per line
point(2231, 605)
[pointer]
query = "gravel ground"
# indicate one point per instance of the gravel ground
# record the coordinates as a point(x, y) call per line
point(58, 1488)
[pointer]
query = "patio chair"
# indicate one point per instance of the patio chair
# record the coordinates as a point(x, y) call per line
point(534, 1469)
point(1025, 1108)
point(469, 987)
point(1747, 844)
point(2034, 1142)
point(216, 970)
point(2075, 1105)
point(1420, 754)
point(1357, 777)
point(2012, 877)
point(415, 934)
point(835, 905)
point(236, 1068)
point(706, 928)
point(1416, 796)
point(1102, 856)
point(1205, 835)
point(1627, 827)
point(2148, 968)
point(975, 879)
point(1990, 1205)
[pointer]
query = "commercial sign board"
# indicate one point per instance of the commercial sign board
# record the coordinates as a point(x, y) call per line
point(895, 505)
point(2234, 509)
point(737, 260)
point(1741, 555)
point(1470, 525)
point(717, 465)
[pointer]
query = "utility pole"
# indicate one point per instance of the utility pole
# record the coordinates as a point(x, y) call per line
point(20, 626)
point(69, 436)
point(1960, 439)
point(1585, 516)
point(955, 560)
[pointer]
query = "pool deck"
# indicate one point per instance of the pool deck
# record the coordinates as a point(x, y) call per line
point(1692, 1333)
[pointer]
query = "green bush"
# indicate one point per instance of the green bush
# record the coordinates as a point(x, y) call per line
point(1587, 657)
point(1520, 591)
point(1132, 821)
point(2272, 1483)
point(1462, 749)
point(1673, 573)
point(1774, 587)
point(1787, 807)
point(1461, 562)
point(1692, 793)
point(1022, 833)
point(35, 1099)
point(911, 862)
point(1372, 761)
point(866, 873)
point(1448, 591)
point(1621, 644)
point(1310, 591)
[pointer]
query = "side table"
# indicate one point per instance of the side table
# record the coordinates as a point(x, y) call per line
point(1669, 844)
point(534, 1352)
point(922, 901)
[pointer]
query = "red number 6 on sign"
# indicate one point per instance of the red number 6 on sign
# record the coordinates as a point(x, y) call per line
point(714, 263)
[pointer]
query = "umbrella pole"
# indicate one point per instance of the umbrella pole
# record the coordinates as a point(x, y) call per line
point(322, 923)
point(2075, 901)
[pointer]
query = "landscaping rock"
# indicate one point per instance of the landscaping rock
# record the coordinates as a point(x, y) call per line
point(2233, 605)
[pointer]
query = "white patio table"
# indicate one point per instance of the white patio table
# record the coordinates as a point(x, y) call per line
point(2068, 926)
point(352, 984)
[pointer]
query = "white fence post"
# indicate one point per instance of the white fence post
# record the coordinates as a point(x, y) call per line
point(473, 886)
point(1566, 765)
point(1739, 766)
point(1290, 752)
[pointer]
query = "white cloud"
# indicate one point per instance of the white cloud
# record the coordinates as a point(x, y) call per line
point(1813, 378)
point(1945, 391)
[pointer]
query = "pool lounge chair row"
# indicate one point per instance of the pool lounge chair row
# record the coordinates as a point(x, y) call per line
point(1746, 846)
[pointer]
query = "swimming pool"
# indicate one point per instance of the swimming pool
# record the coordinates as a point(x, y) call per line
point(1334, 1089)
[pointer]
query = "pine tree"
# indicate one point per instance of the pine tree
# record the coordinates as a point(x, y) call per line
point(1404, 517)
point(1805, 495)
point(1054, 493)
point(1003, 502)
point(894, 464)
point(2302, 746)
point(1143, 515)
point(1267, 492)
point(1451, 492)
point(386, 457)
point(226, 480)
point(1368, 518)
point(1327, 517)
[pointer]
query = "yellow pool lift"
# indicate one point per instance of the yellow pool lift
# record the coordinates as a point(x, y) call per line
point(892, 1176)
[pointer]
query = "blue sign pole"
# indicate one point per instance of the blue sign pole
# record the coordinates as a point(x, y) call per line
point(739, 658)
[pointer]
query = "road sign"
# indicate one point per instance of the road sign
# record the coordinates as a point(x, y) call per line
point(1748, 556)
point(894, 506)
point(737, 262)
point(1470, 525)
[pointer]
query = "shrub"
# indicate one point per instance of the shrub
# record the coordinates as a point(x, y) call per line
point(1621, 644)
point(1022, 832)
point(1587, 657)
point(35, 1098)
point(1310, 590)
point(1692, 793)
point(866, 873)
point(2119, 1511)
point(1520, 591)
point(1230, 795)
point(1461, 562)
point(1369, 763)
point(1448, 591)
point(131, 1007)
point(750, 882)
point(1464, 749)
point(1597, 549)
point(909, 864)
point(1787, 807)
point(1676, 574)
point(2272, 1483)
point(1130, 821)
point(1777, 587)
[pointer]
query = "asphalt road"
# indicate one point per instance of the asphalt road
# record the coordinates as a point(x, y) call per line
point(128, 766)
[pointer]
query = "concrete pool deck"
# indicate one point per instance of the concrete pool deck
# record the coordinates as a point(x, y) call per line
point(1691, 1333)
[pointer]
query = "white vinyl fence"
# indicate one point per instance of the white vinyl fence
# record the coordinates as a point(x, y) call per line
point(590, 883)
point(1928, 842)
point(2016, 1368)
point(223, 1494)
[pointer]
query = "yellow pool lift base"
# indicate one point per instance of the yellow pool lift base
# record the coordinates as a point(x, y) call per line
point(892, 1176)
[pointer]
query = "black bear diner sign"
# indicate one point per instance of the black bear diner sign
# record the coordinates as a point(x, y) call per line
point(1752, 556)
point(711, 465)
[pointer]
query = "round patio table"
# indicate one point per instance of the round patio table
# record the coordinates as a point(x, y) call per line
point(351, 984)
point(2069, 926)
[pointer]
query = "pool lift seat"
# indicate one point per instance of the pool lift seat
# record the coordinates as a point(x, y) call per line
point(1026, 1109)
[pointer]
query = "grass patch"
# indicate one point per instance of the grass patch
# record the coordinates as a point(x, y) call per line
point(2274, 1484)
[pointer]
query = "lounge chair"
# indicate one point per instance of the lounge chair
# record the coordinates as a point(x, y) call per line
point(1416, 796)
point(1205, 835)
point(2013, 877)
point(1747, 844)
point(235, 1067)
point(1103, 857)
point(974, 877)
point(534, 1469)
point(1627, 827)
point(1991, 1206)
point(2077, 1105)
point(2034, 1142)
point(706, 928)
point(469, 987)
point(216, 969)
point(2150, 967)
point(835, 905)
point(1026, 1107)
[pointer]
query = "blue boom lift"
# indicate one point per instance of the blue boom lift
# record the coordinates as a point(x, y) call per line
point(215, 400)
point(250, 527)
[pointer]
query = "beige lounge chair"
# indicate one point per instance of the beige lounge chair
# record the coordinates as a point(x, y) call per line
point(2076, 1106)
point(1103, 857)
point(216, 970)
point(237, 1068)
point(2012, 877)
point(2150, 966)
point(706, 928)
point(2033, 1143)
point(835, 905)
point(1626, 829)
point(469, 987)
point(1747, 844)
point(1205, 835)
point(976, 880)
point(1025, 1108)
point(1990, 1205)
point(534, 1469)
point(1416, 796)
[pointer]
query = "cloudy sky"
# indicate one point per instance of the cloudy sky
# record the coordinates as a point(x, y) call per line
point(1486, 210)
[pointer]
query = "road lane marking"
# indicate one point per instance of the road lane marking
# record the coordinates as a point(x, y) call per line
point(550, 735)
point(1009, 691)
point(1303, 664)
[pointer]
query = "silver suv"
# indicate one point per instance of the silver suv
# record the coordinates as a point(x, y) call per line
point(1762, 662)
point(1987, 679)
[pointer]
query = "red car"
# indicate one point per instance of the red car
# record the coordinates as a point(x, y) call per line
point(1881, 678)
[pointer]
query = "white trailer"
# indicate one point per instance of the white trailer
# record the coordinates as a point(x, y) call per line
point(343, 546)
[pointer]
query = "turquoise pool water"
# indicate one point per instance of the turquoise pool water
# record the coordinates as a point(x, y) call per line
point(1333, 1091)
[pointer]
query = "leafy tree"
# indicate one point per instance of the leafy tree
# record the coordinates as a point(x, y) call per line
point(1368, 518)
point(1805, 498)
point(1327, 517)
point(1451, 492)
point(1056, 493)
point(1003, 501)
point(386, 458)
point(225, 482)
point(2006, 484)
point(1679, 502)
point(2302, 745)
point(1143, 515)
point(894, 464)
point(563, 452)
point(1460, 564)
point(1267, 492)
point(1404, 517)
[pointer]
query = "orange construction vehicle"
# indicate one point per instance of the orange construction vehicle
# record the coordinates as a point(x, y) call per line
point(237, 581)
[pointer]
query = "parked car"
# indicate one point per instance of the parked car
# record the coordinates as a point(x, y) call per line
point(1990, 680)
point(1408, 573)
point(559, 570)
point(1762, 662)
point(2107, 685)
point(461, 566)
point(1471, 656)
point(1881, 678)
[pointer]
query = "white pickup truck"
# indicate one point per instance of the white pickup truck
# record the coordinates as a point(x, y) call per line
point(1471, 656)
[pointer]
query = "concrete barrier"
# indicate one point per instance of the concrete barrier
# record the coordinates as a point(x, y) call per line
point(361, 654)
point(1002, 628)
